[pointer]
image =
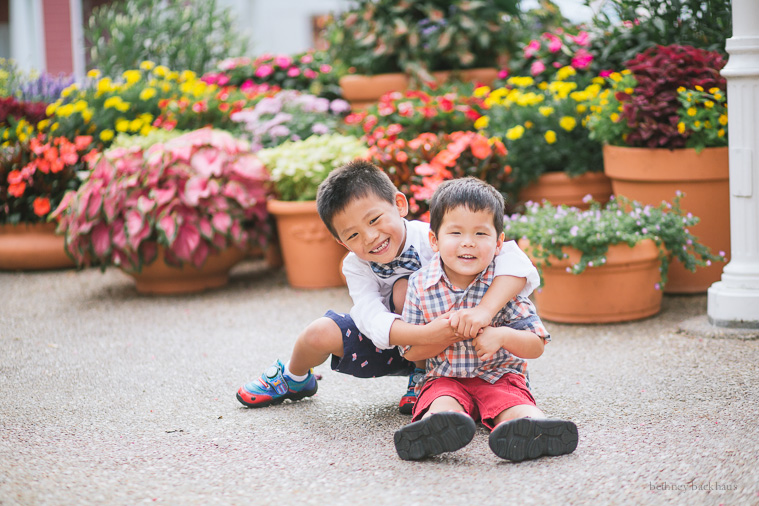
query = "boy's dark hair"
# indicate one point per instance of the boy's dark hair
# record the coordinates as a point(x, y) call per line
point(470, 192)
point(353, 180)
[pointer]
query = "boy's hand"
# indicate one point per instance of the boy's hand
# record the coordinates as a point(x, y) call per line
point(488, 342)
point(469, 322)
point(442, 331)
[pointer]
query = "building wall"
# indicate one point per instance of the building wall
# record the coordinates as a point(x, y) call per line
point(57, 24)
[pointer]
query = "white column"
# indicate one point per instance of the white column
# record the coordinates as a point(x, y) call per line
point(27, 34)
point(734, 301)
point(77, 38)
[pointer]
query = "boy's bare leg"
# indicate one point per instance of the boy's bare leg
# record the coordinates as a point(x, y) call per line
point(520, 411)
point(315, 344)
point(444, 403)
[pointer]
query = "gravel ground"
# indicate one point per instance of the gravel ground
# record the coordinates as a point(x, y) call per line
point(109, 397)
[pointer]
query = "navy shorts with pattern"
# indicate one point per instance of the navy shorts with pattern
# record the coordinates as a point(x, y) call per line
point(361, 358)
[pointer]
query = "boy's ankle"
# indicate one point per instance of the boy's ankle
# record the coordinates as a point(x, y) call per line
point(292, 375)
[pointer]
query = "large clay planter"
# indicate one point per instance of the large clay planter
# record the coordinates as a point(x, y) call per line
point(313, 258)
point(31, 247)
point(558, 189)
point(625, 288)
point(362, 90)
point(652, 175)
point(160, 278)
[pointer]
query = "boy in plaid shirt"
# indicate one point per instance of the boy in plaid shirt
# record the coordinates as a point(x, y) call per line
point(484, 378)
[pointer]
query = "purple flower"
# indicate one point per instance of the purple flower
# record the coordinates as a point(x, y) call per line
point(339, 106)
point(320, 129)
point(279, 131)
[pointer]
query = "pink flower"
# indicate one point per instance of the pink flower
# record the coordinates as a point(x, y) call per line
point(581, 38)
point(283, 61)
point(293, 72)
point(554, 44)
point(537, 67)
point(605, 73)
point(310, 74)
point(503, 74)
point(531, 48)
point(582, 59)
point(306, 58)
point(264, 71)
point(325, 69)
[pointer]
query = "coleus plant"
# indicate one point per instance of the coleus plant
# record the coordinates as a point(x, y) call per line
point(196, 193)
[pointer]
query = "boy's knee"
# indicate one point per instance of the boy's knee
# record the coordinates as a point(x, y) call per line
point(323, 334)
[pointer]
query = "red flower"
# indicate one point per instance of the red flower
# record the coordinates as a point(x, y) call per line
point(41, 206)
point(480, 147)
point(446, 105)
point(17, 189)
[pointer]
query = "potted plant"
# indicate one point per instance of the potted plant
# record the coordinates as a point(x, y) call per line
point(401, 43)
point(663, 122)
point(175, 210)
point(296, 168)
point(608, 263)
point(418, 166)
point(34, 175)
point(542, 125)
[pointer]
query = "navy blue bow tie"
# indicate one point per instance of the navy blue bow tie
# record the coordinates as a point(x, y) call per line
point(408, 260)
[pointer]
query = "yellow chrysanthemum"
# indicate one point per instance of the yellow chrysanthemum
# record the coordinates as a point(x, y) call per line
point(122, 125)
point(696, 124)
point(145, 130)
point(147, 93)
point(482, 122)
point(481, 91)
point(515, 133)
point(42, 125)
point(614, 117)
point(528, 124)
point(699, 88)
point(721, 132)
point(161, 71)
point(681, 127)
point(106, 135)
point(615, 76)
point(80, 105)
point(564, 72)
point(545, 110)
point(681, 89)
point(50, 109)
point(568, 123)
point(87, 115)
point(723, 119)
point(131, 76)
point(65, 110)
point(581, 108)
point(707, 124)
point(718, 96)
point(93, 74)
point(708, 104)
point(692, 111)
point(135, 125)
point(54, 126)
point(550, 136)
point(187, 75)
point(147, 65)
point(104, 86)
point(112, 102)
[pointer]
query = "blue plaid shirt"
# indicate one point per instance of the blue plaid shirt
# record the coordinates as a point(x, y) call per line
point(430, 294)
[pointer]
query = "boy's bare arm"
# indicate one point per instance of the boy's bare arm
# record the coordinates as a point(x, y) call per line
point(469, 322)
point(522, 343)
point(423, 351)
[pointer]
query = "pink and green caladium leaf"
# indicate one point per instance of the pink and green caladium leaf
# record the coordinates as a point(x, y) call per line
point(101, 240)
point(163, 196)
point(148, 252)
point(145, 205)
point(137, 228)
point(221, 223)
point(206, 229)
point(208, 161)
point(195, 189)
point(200, 254)
point(119, 237)
point(168, 226)
point(187, 241)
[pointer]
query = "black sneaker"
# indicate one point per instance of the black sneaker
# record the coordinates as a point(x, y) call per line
point(438, 433)
point(529, 438)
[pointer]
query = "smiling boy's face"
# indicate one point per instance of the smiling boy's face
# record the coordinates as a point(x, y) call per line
point(372, 227)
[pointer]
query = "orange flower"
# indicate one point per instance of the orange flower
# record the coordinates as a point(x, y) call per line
point(480, 147)
point(81, 142)
point(16, 189)
point(41, 206)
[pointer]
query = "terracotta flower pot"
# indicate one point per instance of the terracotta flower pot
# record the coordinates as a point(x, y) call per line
point(652, 175)
point(558, 188)
point(313, 258)
point(31, 247)
point(362, 90)
point(625, 288)
point(160, 278)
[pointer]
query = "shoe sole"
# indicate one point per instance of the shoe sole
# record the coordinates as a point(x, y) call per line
point(529, 438)
point(293, 396)
point(406, 409)
point(436, 434)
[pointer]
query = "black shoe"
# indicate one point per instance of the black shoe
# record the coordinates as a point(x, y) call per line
point(438, 433)
point(529, 438)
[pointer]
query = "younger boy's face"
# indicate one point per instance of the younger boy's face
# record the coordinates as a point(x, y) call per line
point(373, 228)
point(467, 242)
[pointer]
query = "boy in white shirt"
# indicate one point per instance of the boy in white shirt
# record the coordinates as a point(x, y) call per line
point(365, 213)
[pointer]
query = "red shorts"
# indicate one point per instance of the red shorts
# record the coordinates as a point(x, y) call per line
point(481, 400)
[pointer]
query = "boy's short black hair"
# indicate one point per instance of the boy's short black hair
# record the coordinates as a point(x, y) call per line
point(470, 192)
point(353, 180)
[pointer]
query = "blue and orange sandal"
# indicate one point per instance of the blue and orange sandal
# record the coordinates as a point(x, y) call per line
point(529, 438)
point(406, 405)
point(274, 386)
